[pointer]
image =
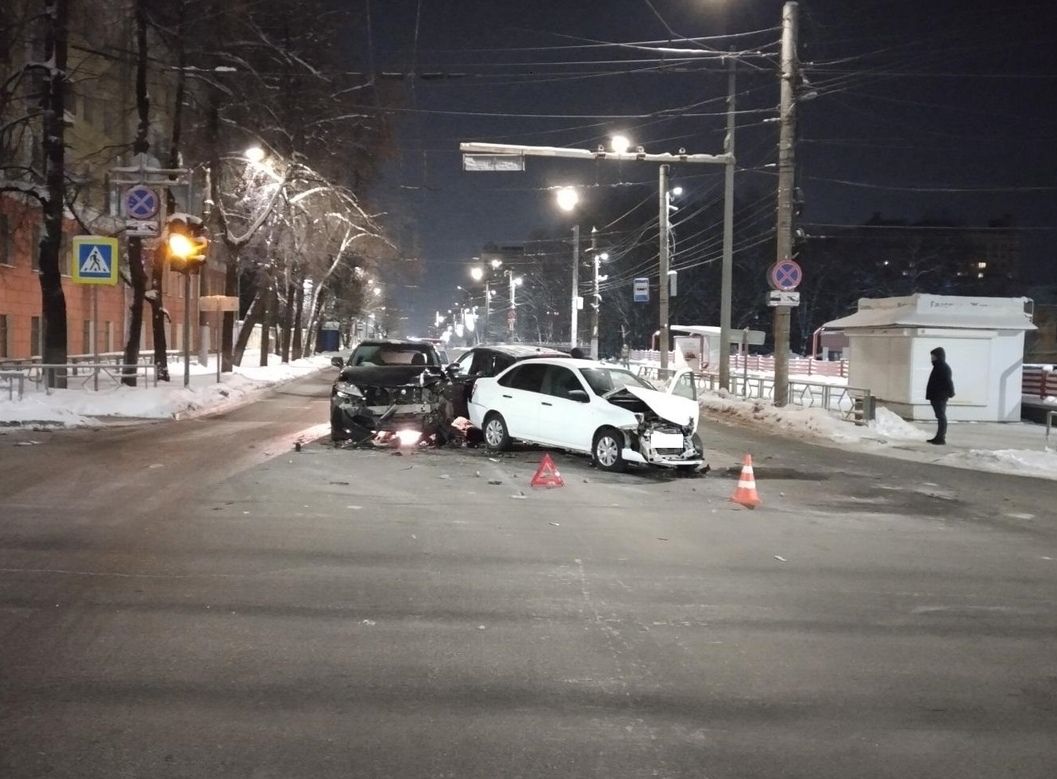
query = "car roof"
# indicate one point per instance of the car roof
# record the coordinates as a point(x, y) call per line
point(575, 362)
point(375, 342)
point(522, 351)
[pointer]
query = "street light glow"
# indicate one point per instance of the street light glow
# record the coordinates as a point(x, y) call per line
point(567, 198)
point(603, 256)
point(377, 291)
point(519, 281)
point(677, 191)
point(620, 144)
point(254, 154)
point(477, 273)
point(497, 263)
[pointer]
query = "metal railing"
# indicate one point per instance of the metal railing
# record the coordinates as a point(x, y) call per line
point(46, 374)
point(9, 379)
point(855, 404)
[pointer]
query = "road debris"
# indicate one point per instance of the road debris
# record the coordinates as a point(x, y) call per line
point(28, 443)
point(444, 476)
point(495, 482)
point(554, 523)
point(780, 559)
point(519, 496)
point(368, 622)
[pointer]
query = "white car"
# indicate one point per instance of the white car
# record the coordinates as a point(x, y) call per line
point(585, 406)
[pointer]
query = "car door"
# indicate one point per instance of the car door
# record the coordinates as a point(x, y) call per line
point(462, 377)
point(519, 393)
point(565, 415)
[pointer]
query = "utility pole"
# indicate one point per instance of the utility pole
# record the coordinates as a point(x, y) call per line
point(727, 281)
point(596, 297)
point(786, 183)
point(511, 319)
point(573, 321)
point(487, 308)
point(663, 294)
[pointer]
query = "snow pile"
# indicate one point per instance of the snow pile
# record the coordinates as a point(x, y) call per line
point(890, 425)
point(78, 406)
point(815, 422)
point(1024, 462)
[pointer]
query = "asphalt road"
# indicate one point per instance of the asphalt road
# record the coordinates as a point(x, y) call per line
point(197, 599)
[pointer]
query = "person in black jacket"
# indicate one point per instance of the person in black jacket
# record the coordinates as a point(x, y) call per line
point(940, 389)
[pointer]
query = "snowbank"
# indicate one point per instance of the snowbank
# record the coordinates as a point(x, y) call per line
point(888, 434)
point(1023, 462)
point(78, 406)
point(814, 422)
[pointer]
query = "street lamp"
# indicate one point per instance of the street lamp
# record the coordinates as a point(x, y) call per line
point(477, 274)
point(567, 198)
point(620, 144)
point(255, 154)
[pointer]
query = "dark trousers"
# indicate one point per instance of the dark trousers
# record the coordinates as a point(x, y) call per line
point(940, 409)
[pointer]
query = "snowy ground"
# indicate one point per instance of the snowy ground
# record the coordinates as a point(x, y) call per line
point(80, 406)
point(1019, 449)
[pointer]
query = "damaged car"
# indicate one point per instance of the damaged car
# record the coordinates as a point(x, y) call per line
point(591, 407)
point(389, 389)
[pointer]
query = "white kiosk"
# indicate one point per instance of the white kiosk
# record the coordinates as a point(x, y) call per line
point(890, 340)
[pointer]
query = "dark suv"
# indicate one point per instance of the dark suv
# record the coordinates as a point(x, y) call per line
point(388, 386)
point(486, 361)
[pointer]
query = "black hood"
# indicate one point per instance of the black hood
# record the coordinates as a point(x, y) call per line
point(939, 354)
point(389, 375)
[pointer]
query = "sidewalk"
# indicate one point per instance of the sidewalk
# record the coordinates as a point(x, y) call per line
point(1018, 448)
point(79, 406)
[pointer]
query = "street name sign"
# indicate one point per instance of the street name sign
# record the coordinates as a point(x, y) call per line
point(493, 162)
point(642, 290)
point(218, 303)
point(93, 259)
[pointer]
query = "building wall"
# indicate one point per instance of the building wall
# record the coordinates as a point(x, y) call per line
point(20, 299)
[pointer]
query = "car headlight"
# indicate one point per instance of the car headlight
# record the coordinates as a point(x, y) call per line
point(348, 392)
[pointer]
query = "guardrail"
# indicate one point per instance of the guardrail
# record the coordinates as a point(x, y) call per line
point(9, 378)
point(39, 374)
point(798, 366)
point(855, 404)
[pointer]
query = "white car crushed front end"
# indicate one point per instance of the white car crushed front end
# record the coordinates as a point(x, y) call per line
point(664, 429)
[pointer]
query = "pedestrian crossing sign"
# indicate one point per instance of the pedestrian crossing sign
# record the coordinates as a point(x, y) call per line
point(94, 259)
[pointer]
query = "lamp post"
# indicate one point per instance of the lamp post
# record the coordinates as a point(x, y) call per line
point(568, 198)
point(597, 258)
point(511, 320)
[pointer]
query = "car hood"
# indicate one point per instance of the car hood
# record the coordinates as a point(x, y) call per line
point(390, 375)
point(680, 411)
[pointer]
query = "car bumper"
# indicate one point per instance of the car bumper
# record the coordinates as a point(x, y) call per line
point(357, 420)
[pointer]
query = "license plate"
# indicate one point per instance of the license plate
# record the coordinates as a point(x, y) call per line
point(667, 441)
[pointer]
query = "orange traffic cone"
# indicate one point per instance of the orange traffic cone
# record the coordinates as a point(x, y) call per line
point(745, 493)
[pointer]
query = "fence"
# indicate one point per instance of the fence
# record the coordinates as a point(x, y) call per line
point(1039, 381)
point(798, 366)
point(855, 404)
point(11, 379)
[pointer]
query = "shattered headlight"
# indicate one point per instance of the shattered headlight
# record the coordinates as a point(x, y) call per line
point(347, 392)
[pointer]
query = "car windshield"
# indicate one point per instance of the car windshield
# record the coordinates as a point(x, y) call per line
point(394, 354)
point(605, 380)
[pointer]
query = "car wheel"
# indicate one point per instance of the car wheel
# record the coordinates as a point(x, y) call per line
point(607, 450)
point(496, 436)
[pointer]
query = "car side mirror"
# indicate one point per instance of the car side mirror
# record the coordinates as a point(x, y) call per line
point(337, 362)
point(577, 395)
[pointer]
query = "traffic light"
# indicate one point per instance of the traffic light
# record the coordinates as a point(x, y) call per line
point(185, 243)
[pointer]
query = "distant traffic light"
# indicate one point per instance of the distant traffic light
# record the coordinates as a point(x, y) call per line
point(185, 243)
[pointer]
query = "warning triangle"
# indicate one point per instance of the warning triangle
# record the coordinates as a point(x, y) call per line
point(547, 474)
point(94, 263)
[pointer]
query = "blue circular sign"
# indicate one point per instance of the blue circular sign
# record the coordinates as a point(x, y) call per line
point(141, 202)
point(786, 275)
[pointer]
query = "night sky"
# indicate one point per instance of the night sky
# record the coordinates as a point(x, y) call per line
point(924, 110)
